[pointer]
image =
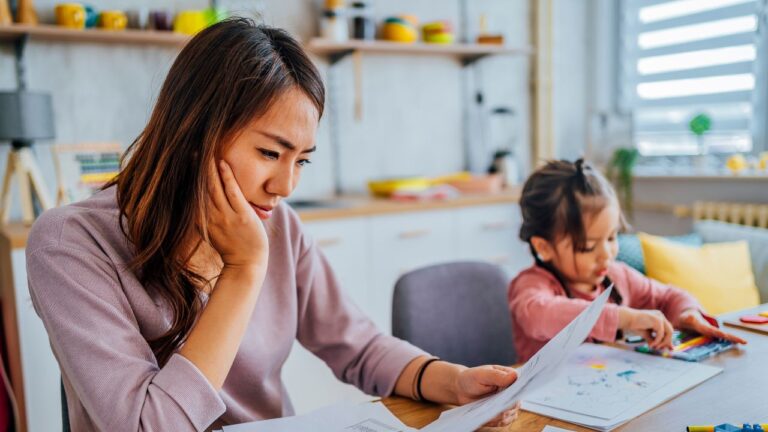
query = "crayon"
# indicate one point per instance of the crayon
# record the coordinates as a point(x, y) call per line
point(728, 428)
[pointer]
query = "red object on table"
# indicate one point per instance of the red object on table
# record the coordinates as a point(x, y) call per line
point(754, 319)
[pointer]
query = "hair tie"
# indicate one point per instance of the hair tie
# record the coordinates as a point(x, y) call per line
point(580, 167)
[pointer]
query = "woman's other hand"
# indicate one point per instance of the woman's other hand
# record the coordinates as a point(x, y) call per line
point(483, 381)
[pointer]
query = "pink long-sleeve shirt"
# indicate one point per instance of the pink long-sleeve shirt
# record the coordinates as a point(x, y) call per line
point(540, 307)
point(99, 318)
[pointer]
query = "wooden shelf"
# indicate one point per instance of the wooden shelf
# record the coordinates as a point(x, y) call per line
point(465, 52)
point(56, 33)
point(334, 50)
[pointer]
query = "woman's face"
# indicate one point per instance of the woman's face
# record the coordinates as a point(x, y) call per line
point(268, 155)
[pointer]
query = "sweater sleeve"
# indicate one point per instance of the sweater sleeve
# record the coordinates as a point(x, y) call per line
point(541, 312)
point(100, 349)
point(333, 328)
point(647, 293)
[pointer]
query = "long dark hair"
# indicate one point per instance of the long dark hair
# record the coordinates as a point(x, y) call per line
point(555, 199)
point(227, 75)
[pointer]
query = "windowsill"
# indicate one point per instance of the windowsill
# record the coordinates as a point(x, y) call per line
point(702, 176)
point(684, 170)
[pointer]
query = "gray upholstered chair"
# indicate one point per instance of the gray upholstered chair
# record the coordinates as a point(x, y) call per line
point(456, 311)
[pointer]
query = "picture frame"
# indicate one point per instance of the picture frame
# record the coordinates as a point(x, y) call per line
point(81, 169)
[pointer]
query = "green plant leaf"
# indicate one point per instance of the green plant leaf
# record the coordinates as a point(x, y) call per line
point(700, 124)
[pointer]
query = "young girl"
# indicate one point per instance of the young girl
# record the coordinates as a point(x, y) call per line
point(571, 218)
point(172, 297)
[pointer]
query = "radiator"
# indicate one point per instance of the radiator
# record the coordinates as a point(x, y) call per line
point(748, 214)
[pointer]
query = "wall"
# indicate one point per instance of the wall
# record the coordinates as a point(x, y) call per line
point(570, 76)
point(412, 105)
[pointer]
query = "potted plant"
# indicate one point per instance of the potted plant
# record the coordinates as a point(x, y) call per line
point(700, 125)
point(620, 172)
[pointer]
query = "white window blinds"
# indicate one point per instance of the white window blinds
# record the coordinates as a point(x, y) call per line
point(682, 58)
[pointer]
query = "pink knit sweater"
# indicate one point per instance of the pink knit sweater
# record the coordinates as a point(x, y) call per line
point(540, 307)
point(99, 318)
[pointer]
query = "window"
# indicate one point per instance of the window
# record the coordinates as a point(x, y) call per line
point(682, 58)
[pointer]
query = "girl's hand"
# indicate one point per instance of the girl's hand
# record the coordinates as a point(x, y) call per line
point(237, 233)
point(691, 319)
point(650, 324)
point(482, 381)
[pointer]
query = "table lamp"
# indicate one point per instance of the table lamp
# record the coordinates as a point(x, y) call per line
point(24, 117)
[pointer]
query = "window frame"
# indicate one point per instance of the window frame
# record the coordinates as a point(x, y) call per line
point(625, 89)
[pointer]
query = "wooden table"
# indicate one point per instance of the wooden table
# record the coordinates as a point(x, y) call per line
point(736, 395)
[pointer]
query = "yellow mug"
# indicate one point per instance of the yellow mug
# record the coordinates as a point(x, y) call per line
point(189, 22)
point(113, 20)
point(70, 15)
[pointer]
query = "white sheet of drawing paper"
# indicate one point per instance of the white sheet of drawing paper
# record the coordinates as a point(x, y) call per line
point(603, 387)
point(541, 368)
point(365, 417)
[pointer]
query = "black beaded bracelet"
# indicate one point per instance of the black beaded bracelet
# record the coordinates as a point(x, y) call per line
point(421, 374)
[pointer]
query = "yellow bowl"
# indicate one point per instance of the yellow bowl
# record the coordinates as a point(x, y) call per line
point(385, 187)
point(399, 33)
point(439, 38)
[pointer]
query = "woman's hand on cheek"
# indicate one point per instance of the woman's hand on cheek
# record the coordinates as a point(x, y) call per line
point(691, 319)
point(482, 381)
point(235, 230)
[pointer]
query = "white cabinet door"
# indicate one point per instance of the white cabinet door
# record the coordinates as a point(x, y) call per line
point(312, 385)
point(345, 243)
point(40, 370)
point(401, 243)
point(309, 381)
point(491, 233)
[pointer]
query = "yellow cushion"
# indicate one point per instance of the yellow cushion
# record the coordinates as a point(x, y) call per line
point(719, 275)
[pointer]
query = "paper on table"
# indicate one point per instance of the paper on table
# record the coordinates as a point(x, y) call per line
point(604, 387)
point(532, 373)
point(554, 429)
point(365, 417)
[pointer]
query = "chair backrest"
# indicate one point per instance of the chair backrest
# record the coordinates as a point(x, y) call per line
point(456, 311)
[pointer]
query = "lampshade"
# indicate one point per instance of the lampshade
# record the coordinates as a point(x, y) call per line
point(25, 117)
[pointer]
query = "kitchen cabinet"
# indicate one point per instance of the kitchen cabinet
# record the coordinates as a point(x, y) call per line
point(491, 234)
point(401, 243)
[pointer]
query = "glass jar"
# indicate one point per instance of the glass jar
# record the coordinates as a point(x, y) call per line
point(333, 26)
point(363, 26)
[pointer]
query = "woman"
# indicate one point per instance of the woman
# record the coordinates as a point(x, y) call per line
point(173, 296)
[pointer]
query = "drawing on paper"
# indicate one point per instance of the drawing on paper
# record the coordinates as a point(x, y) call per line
point(603, 382)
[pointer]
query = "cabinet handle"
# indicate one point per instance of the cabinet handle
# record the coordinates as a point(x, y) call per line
point(328, 242)
point(495, 226)
point(413, 234)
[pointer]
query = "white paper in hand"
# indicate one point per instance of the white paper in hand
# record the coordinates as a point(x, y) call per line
point(538, 370)
point(344, 417)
